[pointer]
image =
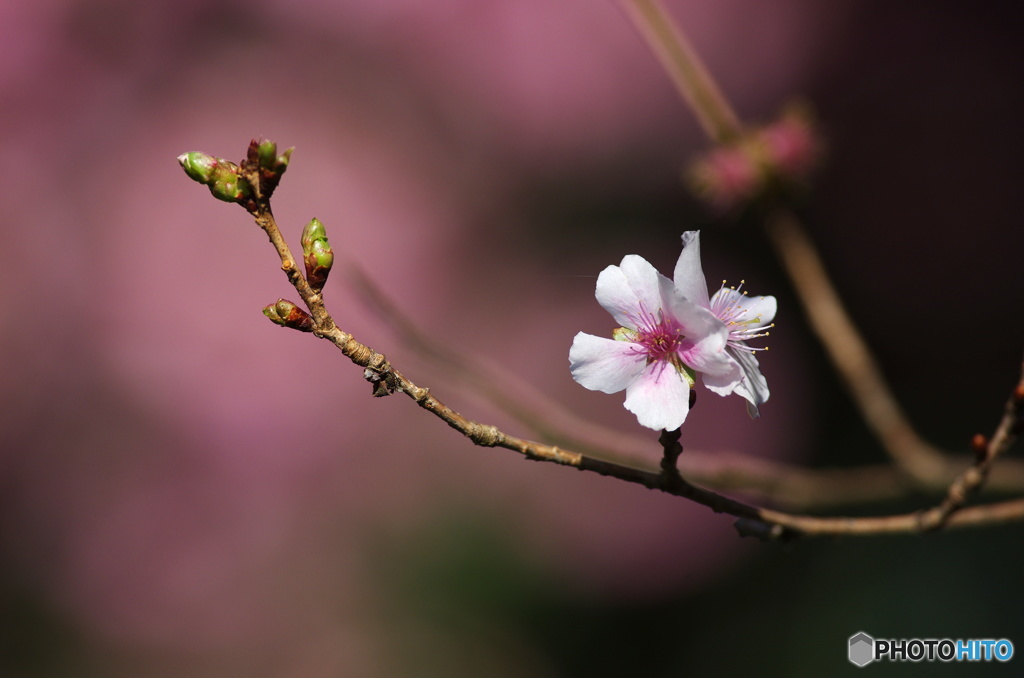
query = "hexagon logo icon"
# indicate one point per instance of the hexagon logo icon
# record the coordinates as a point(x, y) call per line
point(862, 649)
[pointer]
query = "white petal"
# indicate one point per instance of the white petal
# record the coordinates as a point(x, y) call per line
point(709, 355)
point(755, 312)
point(696, 321)
point(605, 364)
point(660, 397)
point(627, 289)
point(689, 276)
point(725, 382)
point(754, 386)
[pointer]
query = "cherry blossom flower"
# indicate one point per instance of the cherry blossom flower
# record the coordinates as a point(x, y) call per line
point(744, 317)
point(670, 330)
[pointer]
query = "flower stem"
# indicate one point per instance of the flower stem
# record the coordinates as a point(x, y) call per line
point(669, 440)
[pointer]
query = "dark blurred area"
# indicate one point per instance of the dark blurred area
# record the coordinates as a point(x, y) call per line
point(186, 489)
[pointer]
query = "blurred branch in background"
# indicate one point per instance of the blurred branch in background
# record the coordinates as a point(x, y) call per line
point(688, 73)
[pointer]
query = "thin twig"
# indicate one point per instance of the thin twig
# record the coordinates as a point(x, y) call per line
point(777, 524)
point(777, 483)
point(971, 480)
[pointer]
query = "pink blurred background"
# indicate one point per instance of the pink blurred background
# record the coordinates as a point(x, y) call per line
point(188, 490)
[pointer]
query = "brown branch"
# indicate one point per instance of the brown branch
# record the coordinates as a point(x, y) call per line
point(971, 480)
point(753, 520)
point(907, 523)
point(778, 483)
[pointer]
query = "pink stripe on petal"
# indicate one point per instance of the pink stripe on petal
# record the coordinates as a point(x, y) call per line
point(660, 397)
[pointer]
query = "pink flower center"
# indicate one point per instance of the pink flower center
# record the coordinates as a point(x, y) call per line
point(660, 337)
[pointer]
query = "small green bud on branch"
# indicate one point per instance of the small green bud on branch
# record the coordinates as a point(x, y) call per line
point(287, 314)
point(316, 253)
point(312, 232)
point(223, 177)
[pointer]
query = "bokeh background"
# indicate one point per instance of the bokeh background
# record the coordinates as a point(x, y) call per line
point(186, 489)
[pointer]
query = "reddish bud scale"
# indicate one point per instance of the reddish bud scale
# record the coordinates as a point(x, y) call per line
point(316, 275)
point(286, 314)
point(294, 316)
point(1018, 394)
point(979, 445)
point(262, 157)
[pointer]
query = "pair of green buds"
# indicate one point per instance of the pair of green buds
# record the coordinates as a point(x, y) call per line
point(225, 178)
point(319, 258)
point(316, 253)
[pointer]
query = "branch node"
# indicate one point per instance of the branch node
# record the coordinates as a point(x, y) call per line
point(931, 520)
point(484, 435)
point(383, 380)
point(360, 354)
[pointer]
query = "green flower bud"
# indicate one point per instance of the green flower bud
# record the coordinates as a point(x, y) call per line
point(223, 177)
point(230, 187)
point(316, 253)
point(318, 264)
point(287, 314)
point(322, 254)
point(271, 312)
point(199, 166)
point(267, 154)
point(312, 232)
